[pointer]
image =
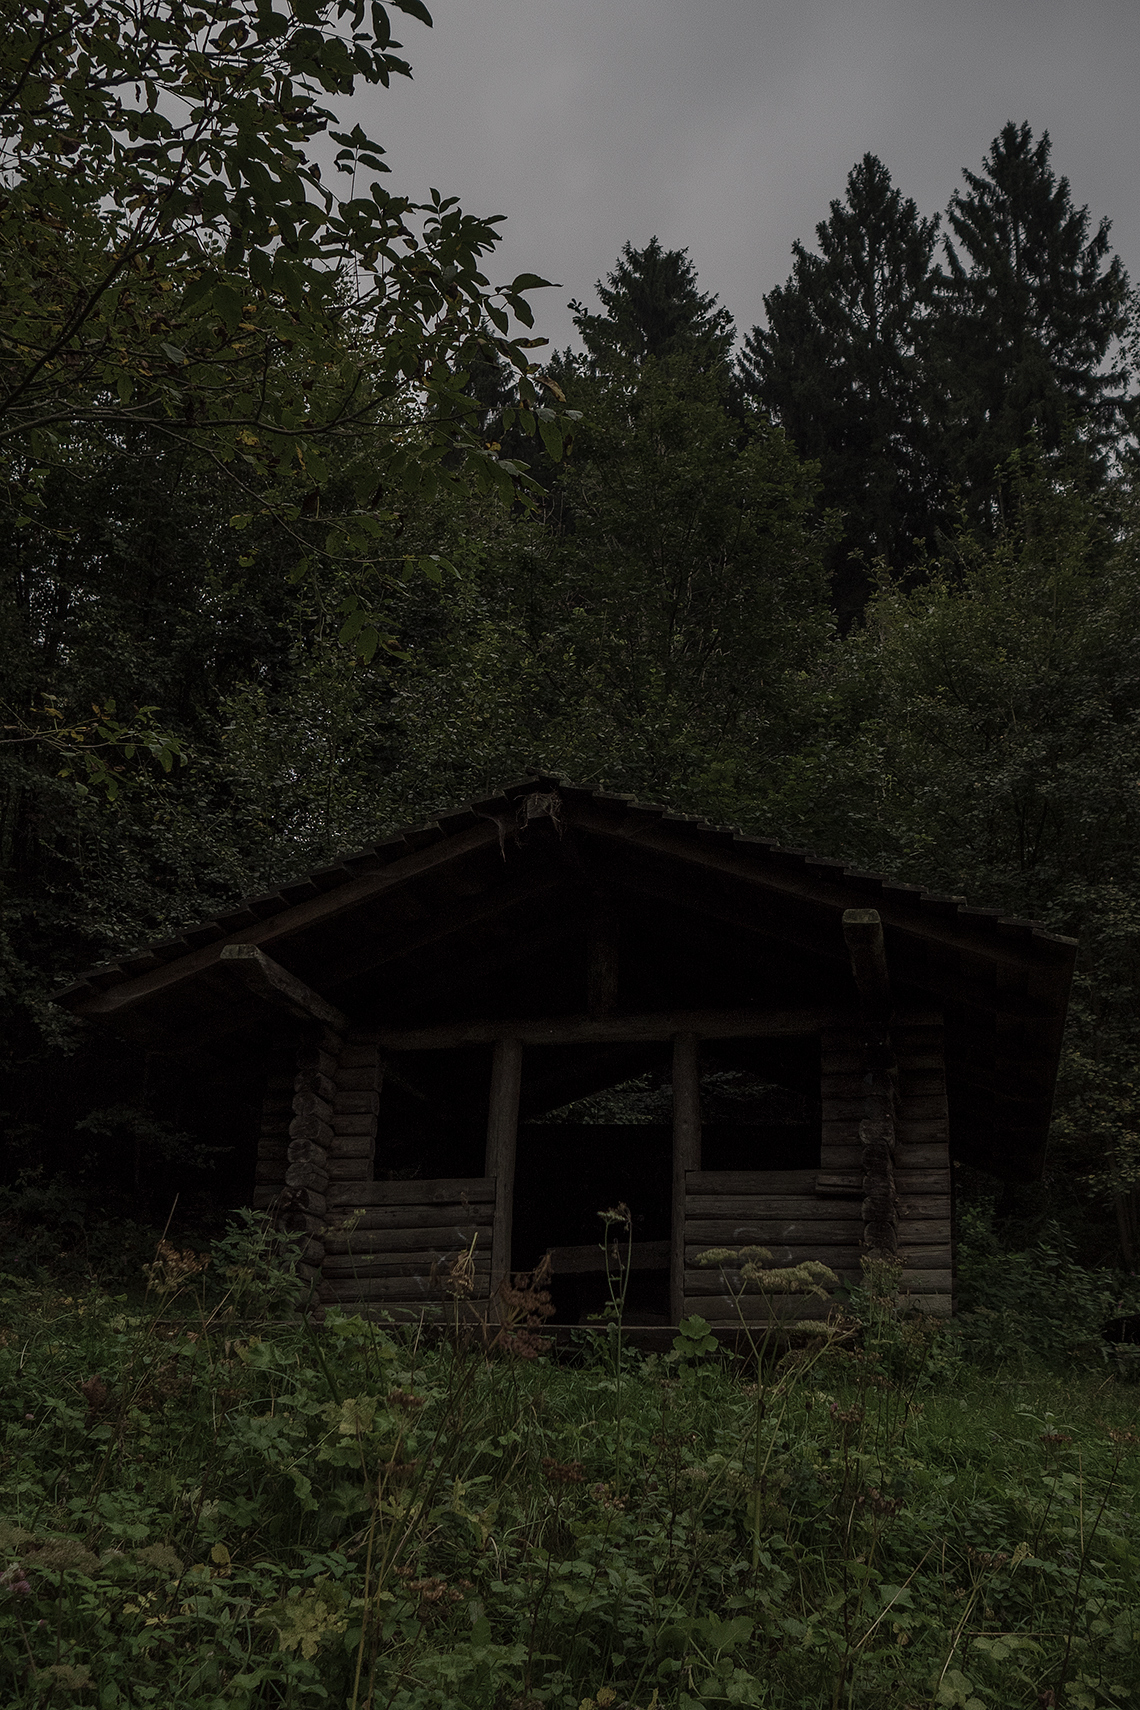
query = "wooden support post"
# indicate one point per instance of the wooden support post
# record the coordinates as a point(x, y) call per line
point(863, 932)
point(502, 1139)
point(602, 962)
point(686, 1156)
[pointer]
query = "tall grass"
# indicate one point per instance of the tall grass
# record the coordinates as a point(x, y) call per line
point(204, 1501)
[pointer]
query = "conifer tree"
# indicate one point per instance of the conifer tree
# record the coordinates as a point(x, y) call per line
point(840, 367)
point(654, 309)
point(1029, 308)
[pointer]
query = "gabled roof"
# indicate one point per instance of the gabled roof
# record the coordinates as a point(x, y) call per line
point(485, 912)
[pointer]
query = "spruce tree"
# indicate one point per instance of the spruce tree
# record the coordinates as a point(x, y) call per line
point(654, 309)
point(840, 367)
point(1029, 308)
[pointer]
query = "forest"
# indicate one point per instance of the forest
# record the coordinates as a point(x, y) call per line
point(307, 537)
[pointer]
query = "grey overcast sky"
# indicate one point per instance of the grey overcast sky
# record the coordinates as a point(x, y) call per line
point(727, 126)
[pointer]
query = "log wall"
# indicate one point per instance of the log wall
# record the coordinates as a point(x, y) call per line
point(776, 1209)
point(921, 1155)
point(387, 1242)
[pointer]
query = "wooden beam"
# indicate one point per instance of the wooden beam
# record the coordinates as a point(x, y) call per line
point(269, 980)
point(686, 1156)
point(502, 1142)
point(602, 961)
point(619, 1029)
point(863, 932)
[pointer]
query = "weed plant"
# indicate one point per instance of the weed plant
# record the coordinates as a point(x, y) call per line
point(207, 1501)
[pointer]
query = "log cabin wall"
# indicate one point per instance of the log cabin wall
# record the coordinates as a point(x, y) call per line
point(922, 1154)
point(386, 1243)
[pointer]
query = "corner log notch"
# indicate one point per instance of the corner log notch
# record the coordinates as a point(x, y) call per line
point(299, 1201)
point(863, 932)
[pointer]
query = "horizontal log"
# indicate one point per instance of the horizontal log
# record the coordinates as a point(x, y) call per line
point(352, 1145)
point(356, 1124)
point(307, 1152)
point(275, 985)
point(925, 1232)
point(934, 1305)
point(370, 1241)
point(307, 1175)
point(847, 1158)
point(579, 1261)
point(384, 1288)
point(351, 1079)
point(310, 1127)
point(921, 1181)
point(357, 1103)
point(700, 1279)
point(923, 1205)
point(340, 1266)
point(912, 1156)
point(347, 1219)
point(922, 1131)
point(911, 1083)
point(839, 1186)
point(459, 1191)
point(309, 1103)
point(343, 1169)
point(753, 1207)
point(275, 1105)
point(723, 1309)
point(914, 1256)
point(764, 1230)
point(312, 1083)
point(359, 1055)
point(271, 1170)
point(613, 1030)
point(911, 1110)
point(749, 1181)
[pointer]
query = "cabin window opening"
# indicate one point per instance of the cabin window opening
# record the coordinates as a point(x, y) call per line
point(760, 1105)
point(432, 1118)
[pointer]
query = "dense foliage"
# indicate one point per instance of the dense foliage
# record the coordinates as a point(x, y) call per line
point(275, 577)
point(206, 1502)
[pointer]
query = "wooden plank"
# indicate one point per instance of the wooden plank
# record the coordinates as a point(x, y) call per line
point(724, 1310)
point(654, 1027)
point(762, 1231)
point(339, 1266)
point(581, 1261)
point(686, 1152)
point(921, 1157)
point(341, 1169)
point(699, 1283)
point(361, 1078)
point(863, 934)
point(445, 1191)
point(359, 1124)
point(502, 1142)
point(925, 1232)
point(351, 1146)
point(912, 1109)
point(918, 1181)
point(700, 1182)
point(274, 984)
point(914, 1256)
point(384, 1288)
point(368, 1242)
point(753, 1207)
point(922, 1131)
point(923, 1205)
point(345, 1220)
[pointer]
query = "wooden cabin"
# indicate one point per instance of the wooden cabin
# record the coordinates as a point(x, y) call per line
point(801, 1052)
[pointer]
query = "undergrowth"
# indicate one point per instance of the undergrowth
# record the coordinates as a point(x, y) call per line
point(206, 1501)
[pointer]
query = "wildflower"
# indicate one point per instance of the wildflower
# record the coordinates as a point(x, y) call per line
point(562, 1472)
